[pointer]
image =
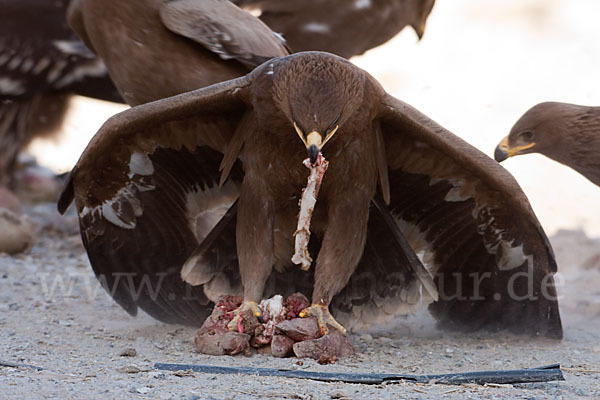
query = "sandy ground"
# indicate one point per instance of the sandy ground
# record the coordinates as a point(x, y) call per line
point(481, 64)
point(53, 314)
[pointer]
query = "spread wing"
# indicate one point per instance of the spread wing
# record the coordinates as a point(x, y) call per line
point(491, 260)
point(224, 29)
point(345, 28)
point(147, 194)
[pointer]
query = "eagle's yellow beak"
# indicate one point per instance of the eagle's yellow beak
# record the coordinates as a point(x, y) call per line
point(503, 150)
point(314, 141)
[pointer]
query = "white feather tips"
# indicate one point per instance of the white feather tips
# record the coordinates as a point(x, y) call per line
point(140, 164)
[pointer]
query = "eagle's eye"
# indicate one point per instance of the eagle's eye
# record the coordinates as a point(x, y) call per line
point(527, 136)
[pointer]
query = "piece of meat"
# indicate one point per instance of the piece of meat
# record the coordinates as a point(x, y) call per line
point(282, 346)
point(300, 329)
point(229, 303)
point(219, 342)
point(296, 303)
point(307, 205)
point(327, 348)
point(280, 331)
point(214, 337)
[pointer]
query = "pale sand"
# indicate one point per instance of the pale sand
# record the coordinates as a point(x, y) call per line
point(481, 64)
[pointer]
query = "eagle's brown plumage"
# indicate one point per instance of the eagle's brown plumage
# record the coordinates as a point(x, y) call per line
point(147, 194)
point(160, 48)
point(346, 28)
point(42, 63)
point(567, 133)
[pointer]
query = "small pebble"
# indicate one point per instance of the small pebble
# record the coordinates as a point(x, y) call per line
point(128, 352)
point(129, 369)
point(582, 392)
point(16, 234)
point(158, 375)
point(143, 390)
point(185, 373)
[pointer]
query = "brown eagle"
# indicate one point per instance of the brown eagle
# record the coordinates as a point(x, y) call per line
point(567, 133)
point(42, 64)
point(346, 28)
point(160, 48)
point(149, 199)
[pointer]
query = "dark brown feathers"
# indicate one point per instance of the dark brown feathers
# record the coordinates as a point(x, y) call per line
point(42, 63)
point(39, 54)
point(567, 133)
point(223, 29)
point(346, 28)
point(159, 48)
point(148, 196)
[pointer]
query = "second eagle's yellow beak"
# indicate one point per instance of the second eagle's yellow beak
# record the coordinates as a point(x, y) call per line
point(503, 150)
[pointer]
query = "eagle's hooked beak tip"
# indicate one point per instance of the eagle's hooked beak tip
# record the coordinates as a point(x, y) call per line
point(500, 154)
point(314, 143)
point(504, 151)
point(313, 153)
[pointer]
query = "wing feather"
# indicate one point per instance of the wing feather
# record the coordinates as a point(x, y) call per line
point(469, 218)
point(345, 28)
point(147, 194)
point(224, 29)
